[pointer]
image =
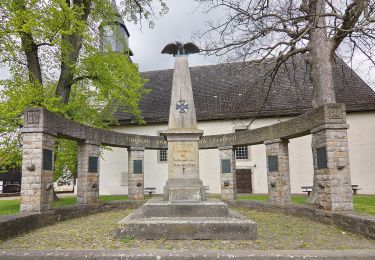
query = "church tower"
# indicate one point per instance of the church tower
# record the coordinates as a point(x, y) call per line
point(114, 35)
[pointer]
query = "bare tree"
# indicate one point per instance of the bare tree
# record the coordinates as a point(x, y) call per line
point(272, 32)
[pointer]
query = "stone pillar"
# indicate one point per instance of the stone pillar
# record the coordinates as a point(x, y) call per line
point(278, 176)
point(227, 173)
point(88, 173)
point(332, 184)
point(37, 172)
point(184, 183)
point(136, 173)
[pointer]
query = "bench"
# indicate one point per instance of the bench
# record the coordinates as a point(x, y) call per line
point(149, 190)
point(308, 189)
point(11, 187)
point(355, 189)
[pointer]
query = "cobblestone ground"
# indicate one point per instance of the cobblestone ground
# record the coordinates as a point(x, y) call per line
point(276, 231)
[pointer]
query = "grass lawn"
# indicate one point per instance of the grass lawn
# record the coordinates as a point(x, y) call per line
point(8, 207)
point(65, 201)
point(362, 203)
point(13, 206)
point(299, 199)
point(275, 231)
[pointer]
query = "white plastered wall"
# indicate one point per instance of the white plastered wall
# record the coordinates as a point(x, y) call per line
point(362, 150)
point(113, 167)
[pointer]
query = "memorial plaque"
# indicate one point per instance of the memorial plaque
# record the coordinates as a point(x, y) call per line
point(47, 160)
point(137, 167)
point(335, 113)
point(93, 164)
point(321, 157)
point(273, 164)
point(226, 166)
point(32, 117)
point(184, 161)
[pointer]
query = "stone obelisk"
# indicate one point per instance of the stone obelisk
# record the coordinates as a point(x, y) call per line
point(184, 213)
point(183, 135)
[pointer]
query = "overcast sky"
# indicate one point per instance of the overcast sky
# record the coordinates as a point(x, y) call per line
point(180, 23)
point(185, 17)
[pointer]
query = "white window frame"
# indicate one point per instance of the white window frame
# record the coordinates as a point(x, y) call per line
point(159, 155)
point(238, 129)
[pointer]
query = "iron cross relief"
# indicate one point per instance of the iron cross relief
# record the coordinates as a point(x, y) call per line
point(182, 106)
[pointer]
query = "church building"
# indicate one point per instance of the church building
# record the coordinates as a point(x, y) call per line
point(236, 96)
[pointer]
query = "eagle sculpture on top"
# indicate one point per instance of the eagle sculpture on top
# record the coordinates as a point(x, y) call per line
point(178, 48)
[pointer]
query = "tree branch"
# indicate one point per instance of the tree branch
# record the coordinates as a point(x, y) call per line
point(350, 19)
point(73, 45)
point(77, 79)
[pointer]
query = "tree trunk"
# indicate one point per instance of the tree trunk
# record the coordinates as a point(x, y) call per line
point(65, 83)
point(321, 53)
point(321, 57)
point(31, 52)
point(30, 49)
point(70, 54)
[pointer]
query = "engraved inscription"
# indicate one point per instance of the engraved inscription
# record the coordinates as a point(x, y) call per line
point(32, 117)
point(184, 157)
point(335, 113)
point(144, 141)
point(218, 140)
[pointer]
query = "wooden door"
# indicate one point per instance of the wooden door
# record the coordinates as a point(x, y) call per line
point(243, 180)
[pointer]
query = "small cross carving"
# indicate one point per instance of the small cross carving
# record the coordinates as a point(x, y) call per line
point(182, 106)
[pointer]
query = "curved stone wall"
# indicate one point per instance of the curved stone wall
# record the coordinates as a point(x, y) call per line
point(39, 120)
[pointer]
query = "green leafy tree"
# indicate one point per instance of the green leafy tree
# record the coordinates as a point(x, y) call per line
point(53, 50)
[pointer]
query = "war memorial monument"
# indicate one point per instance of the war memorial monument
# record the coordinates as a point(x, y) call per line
point(184, 211)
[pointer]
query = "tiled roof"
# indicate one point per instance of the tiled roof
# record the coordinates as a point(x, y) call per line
point(236, 90)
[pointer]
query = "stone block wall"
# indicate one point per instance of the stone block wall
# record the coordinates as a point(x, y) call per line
point(88, 177)
point(135, 173)
point(227, 176)
point(37, 181)
point(332, 184)
point(278, 176)
point(13, 225)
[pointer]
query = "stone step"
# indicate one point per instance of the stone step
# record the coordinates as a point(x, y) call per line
point(159, 208)
point(179, 228)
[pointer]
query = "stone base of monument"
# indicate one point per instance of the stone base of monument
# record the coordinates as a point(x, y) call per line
point(159, 219)
point(184, 189)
